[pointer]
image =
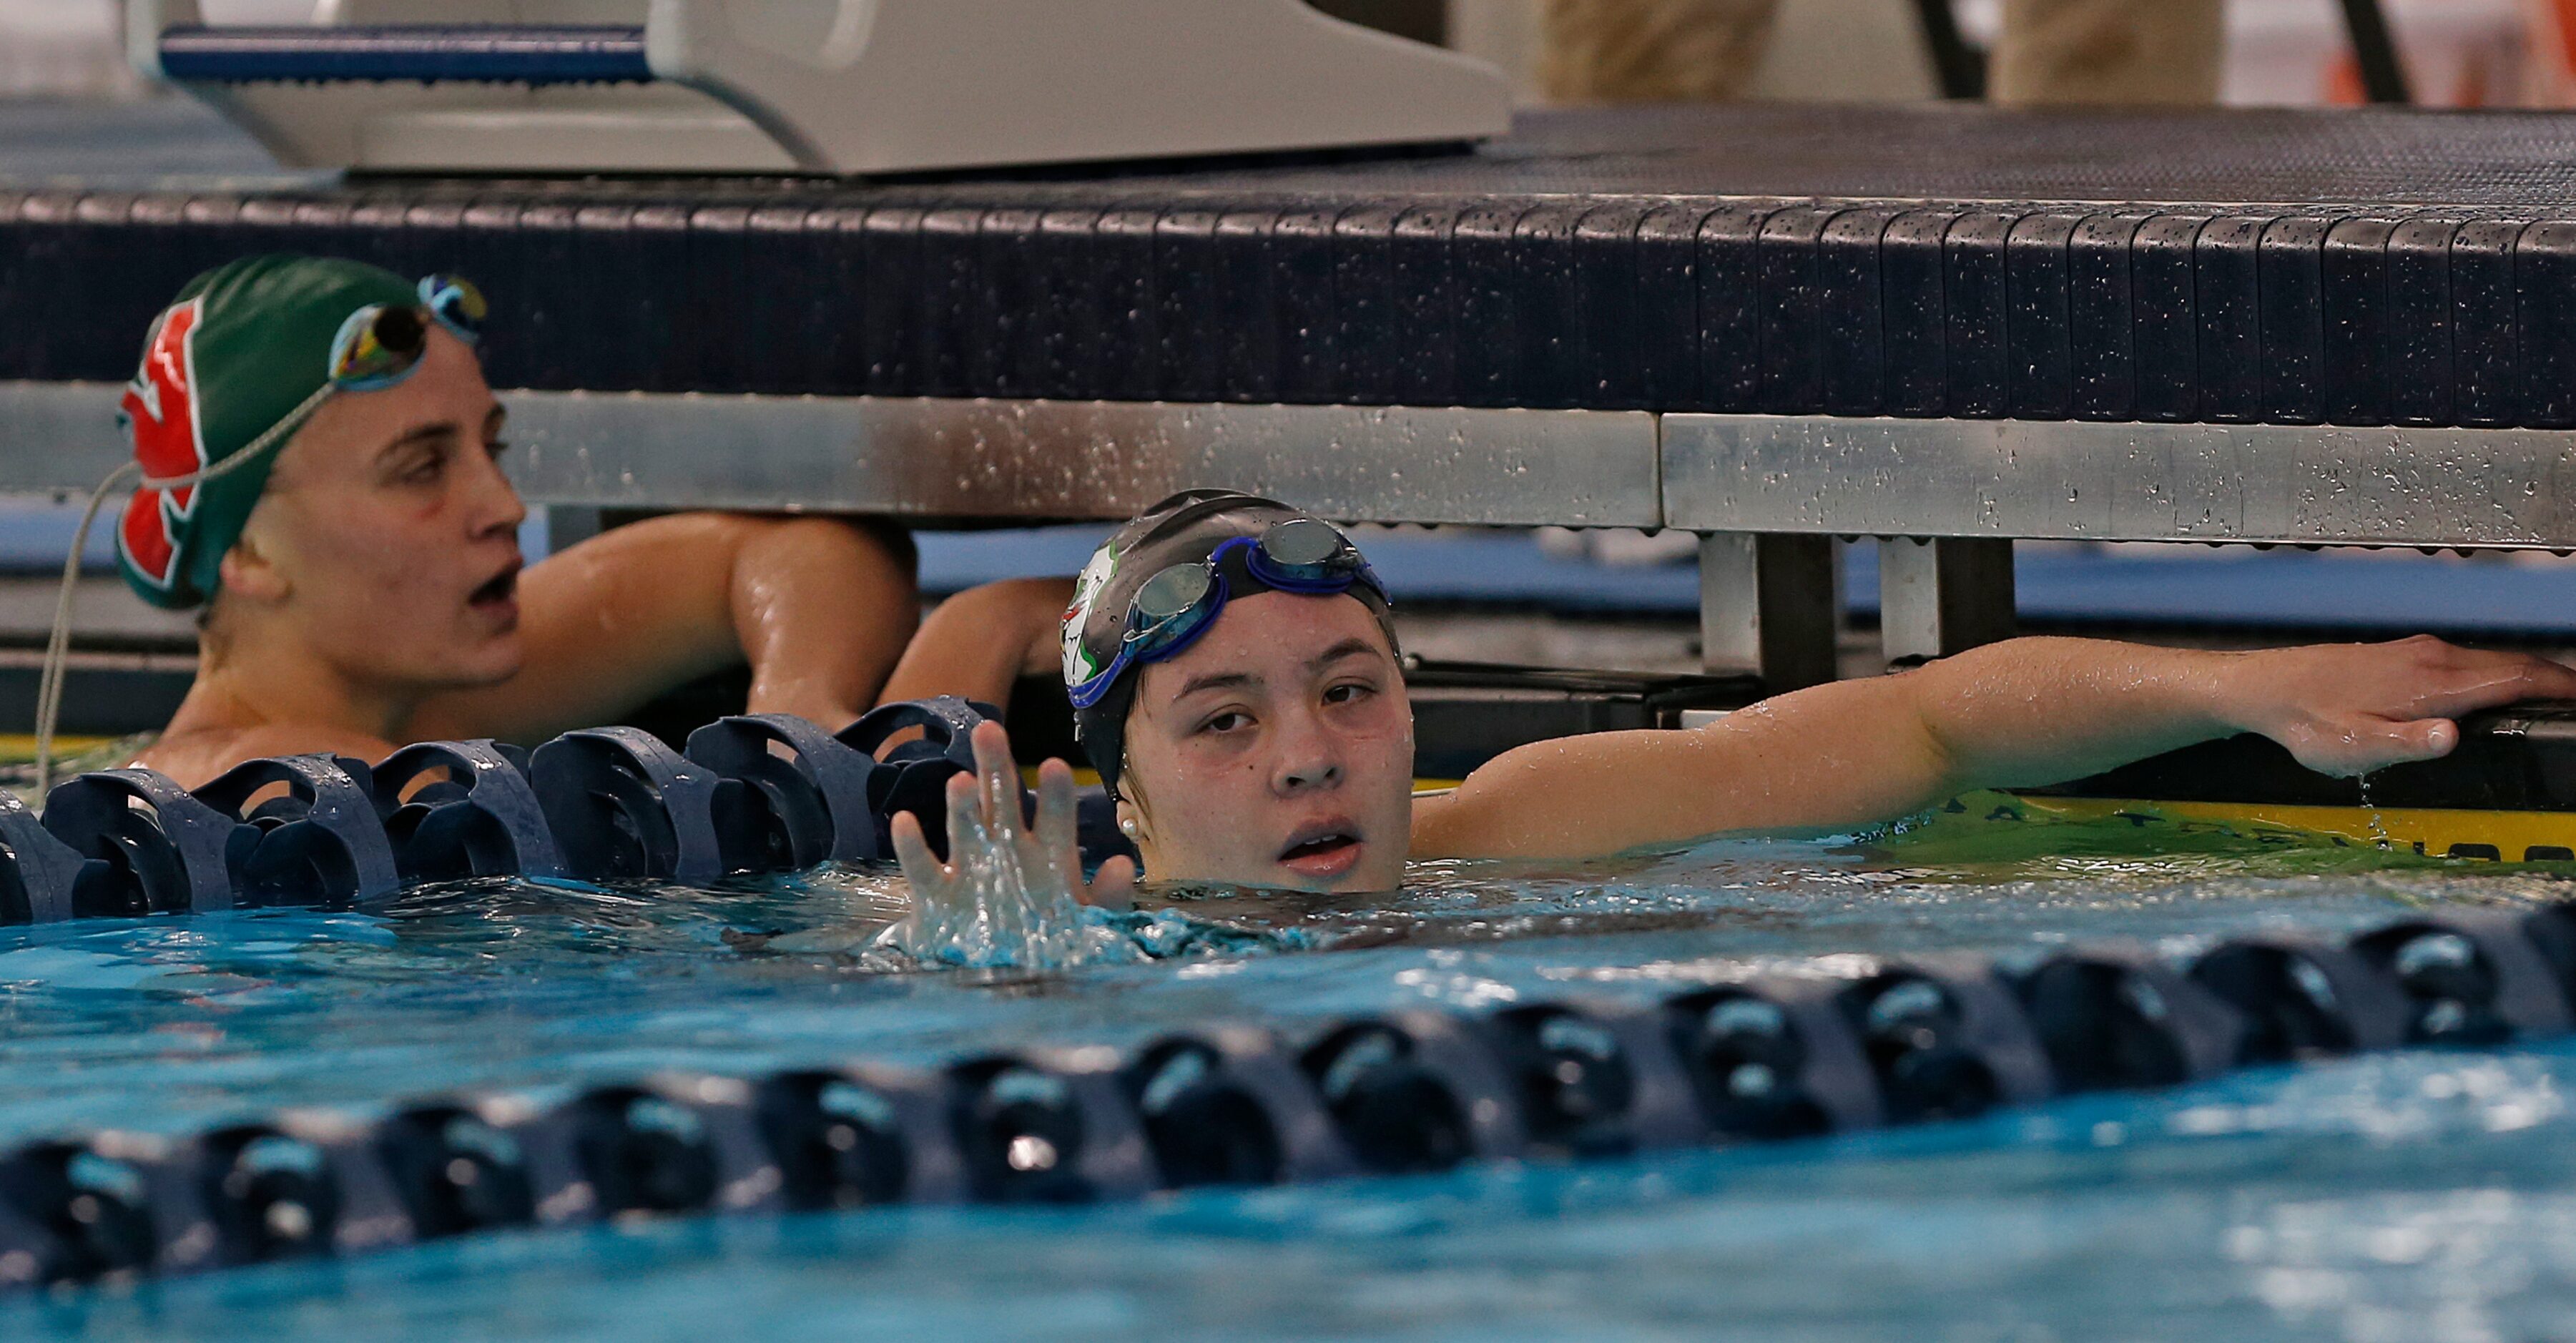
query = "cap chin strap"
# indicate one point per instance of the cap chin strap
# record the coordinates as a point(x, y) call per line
point(58, 645)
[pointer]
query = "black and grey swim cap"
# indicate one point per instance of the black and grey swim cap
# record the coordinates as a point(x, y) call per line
point(1187, 528)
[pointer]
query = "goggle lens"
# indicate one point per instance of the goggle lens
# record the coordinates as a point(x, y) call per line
point(1166, 614)
point(457, 304)
point(1171, 594)
point(1310, 556)
point(377, 347)
point(1304, 543)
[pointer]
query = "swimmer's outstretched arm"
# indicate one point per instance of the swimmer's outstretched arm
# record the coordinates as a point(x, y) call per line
point(819, 607)
point(2016, 714)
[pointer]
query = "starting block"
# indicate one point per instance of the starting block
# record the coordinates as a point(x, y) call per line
point(809, 86)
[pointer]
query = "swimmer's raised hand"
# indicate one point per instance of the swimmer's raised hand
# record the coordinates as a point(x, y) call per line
point(2347, 709)
point(986, 832)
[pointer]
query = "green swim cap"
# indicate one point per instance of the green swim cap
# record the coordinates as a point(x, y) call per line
point(243, 349)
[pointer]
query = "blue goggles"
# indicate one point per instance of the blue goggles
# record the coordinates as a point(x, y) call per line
point(1178, 604)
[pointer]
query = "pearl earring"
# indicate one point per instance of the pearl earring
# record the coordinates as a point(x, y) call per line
point(1128, 826)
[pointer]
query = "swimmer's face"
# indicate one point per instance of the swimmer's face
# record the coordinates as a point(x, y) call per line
point(387, 540)
point(1277, 751)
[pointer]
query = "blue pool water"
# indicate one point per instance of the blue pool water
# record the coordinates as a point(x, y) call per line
point(2417, 1195)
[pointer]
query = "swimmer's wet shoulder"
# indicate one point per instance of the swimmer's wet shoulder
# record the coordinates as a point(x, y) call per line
point(1240, 693)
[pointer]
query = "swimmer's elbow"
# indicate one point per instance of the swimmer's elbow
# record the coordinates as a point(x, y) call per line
point(887, 543)
point(764, 537)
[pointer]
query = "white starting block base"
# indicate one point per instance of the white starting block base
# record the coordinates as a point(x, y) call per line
point(871, 86)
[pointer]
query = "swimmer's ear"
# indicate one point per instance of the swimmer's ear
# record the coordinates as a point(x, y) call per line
point(1131, 821)
point(249, 574)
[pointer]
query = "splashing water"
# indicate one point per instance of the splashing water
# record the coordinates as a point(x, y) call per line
point(2378, 823)
point(998, 911)
point(1004, 912)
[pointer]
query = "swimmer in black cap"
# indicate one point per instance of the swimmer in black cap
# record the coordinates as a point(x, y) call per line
point(1234, 675)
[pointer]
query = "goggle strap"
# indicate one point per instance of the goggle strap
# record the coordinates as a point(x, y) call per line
point(58, 642)
point(268, 438)
point(1091, 692)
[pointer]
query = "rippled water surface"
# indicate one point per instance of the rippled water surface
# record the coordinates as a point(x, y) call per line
point(2417, 1195)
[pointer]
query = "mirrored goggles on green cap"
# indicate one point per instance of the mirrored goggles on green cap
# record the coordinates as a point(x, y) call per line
point(380, 345)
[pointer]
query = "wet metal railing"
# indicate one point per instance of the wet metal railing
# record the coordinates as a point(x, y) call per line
point(1769, 491)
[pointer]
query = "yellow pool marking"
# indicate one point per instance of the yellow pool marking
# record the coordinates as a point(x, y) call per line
point(19, 745)
point(2442, 832)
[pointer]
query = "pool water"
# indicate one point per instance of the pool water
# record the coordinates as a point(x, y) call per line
point(2414, 1195)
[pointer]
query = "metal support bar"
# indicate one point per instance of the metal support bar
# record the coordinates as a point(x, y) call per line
point(1942, 596)
point(1769, 606)
point(927, 458)
point(2389, 485)
point(978, 458)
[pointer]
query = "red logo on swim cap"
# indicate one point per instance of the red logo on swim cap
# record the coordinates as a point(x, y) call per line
point(160, 414)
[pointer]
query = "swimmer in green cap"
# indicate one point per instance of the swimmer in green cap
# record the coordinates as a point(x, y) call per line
point(1233, 670)
point(351, 543)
